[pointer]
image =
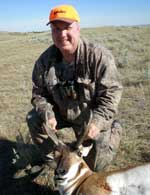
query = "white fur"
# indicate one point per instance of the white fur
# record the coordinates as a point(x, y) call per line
point(85, 150)
point(135, 181)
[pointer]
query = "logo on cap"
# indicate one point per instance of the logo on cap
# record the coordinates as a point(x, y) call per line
point(59, 11)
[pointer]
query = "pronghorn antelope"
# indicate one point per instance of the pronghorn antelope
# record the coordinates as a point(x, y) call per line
point(74, 177)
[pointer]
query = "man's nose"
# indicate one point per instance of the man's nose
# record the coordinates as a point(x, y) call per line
point(63, 32)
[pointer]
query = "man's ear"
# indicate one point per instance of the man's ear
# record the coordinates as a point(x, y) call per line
point(84, 150)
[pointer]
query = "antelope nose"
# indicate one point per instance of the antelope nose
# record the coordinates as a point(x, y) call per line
point(60, 171)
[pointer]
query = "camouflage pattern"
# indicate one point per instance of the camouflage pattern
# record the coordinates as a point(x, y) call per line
point(104, 149)
point(96, 86)
point(69, 92)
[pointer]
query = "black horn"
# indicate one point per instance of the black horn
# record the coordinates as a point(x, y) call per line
point(84, 133)
point(51, 134)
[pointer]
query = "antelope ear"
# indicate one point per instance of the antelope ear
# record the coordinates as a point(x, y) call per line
point(57, 154)
point(58, 150)
point(84, 150)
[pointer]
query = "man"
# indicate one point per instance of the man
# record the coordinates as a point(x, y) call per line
point(75, 82)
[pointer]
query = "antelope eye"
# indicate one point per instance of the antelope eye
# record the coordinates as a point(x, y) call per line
point(79, 153)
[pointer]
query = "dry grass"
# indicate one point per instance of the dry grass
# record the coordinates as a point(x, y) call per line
point(131, 48)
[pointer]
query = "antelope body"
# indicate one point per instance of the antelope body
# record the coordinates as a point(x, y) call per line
point(74, 177)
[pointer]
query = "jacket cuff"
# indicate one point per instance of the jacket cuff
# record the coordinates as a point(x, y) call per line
point(45, 111)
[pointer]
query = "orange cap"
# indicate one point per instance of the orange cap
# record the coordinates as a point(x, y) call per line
point(66, 13)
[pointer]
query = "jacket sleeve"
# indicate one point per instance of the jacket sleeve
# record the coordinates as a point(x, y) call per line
point(108, 90)
point(40, 98)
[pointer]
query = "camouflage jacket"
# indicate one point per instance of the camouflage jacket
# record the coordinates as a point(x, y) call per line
point(96, 85)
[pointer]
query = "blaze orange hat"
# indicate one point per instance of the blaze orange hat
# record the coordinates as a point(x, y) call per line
point(66, 13)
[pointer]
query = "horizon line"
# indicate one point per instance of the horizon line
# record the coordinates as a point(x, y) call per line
point(101, 26)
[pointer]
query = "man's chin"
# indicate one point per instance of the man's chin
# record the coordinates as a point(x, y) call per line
point(65, 49)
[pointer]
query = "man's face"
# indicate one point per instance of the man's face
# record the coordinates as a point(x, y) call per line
point(65, 36)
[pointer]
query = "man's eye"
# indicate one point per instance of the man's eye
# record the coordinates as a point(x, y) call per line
point(56, 29)
point(69, 28)
point(79, 153)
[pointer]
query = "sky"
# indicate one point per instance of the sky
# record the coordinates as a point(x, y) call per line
point(32, 15)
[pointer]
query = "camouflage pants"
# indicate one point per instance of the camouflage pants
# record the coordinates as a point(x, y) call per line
point(104, 146)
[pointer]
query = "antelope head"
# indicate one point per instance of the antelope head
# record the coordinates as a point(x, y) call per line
point(69, 160)
point(70, 167)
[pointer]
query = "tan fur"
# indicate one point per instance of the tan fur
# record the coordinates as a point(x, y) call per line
point(95, 184)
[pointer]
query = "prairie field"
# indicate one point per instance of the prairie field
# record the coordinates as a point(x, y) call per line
point(19, 51)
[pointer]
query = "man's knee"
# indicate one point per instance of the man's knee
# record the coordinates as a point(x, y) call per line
point(115, 135)
point(108, 151)
point(35, 126)
point(106, 147)
point(31, 116)
point(33, 120)
point(103, 159)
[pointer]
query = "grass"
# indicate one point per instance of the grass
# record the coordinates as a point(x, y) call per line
point(131, 48)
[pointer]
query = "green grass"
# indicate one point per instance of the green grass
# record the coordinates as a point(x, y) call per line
point(131, 48)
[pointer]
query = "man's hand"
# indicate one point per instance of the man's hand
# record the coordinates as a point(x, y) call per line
point(93, 131)
point(52, 123)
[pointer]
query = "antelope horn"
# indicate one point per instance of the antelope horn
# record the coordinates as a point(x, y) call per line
point(51, 134)
point(84, 133)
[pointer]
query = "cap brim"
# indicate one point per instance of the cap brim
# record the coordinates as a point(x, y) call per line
point(69, 21)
